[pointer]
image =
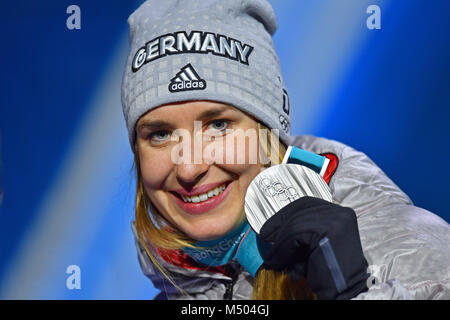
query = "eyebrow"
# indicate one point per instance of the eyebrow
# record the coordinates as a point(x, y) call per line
point(213, 112)
point(159, 124)
point(154, 125)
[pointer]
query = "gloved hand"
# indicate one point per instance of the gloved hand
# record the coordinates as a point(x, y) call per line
point(318, 240)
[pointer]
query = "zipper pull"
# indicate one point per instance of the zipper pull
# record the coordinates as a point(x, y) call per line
point(228, 295)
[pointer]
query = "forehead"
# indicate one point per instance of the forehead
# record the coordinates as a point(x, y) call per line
point(188, 109)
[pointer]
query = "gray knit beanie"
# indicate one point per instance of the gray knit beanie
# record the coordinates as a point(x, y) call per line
point(220, 50)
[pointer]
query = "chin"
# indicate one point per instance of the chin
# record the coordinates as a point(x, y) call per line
point(211, 231)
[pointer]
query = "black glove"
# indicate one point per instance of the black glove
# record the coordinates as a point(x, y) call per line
point(318, 240)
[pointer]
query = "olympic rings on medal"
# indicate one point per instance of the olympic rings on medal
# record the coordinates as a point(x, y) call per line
point(278, 189)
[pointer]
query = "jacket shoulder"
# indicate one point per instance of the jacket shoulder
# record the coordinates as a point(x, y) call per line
point(357, 182)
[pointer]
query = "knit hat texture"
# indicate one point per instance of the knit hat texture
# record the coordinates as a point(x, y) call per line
point(219, 50)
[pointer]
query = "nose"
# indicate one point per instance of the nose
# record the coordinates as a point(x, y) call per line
point(188, 175)
point(190, 170)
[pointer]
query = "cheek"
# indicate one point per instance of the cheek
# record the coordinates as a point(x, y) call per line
point(155, 166)
point(237, 154)
point(234, 149)
point(245, 148)
point(244, 174)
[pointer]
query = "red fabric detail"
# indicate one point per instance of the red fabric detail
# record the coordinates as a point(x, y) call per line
point(242, 240)
point(180, 259)
point(332, 166)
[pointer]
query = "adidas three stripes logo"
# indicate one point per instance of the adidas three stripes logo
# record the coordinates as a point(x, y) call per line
point(187, 79)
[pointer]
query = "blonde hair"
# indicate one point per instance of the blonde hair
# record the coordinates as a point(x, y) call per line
point(152, 229)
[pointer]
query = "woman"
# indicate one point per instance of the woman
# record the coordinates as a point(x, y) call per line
point(203, 79)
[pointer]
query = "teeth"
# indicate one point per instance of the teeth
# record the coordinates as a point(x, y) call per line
point(204, 196)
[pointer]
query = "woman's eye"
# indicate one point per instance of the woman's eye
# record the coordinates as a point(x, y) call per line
point(220, 125)
point(158, 137)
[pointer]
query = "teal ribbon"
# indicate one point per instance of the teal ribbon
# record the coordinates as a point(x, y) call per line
point(251, 252)
point(242, 244)
point(306, 158)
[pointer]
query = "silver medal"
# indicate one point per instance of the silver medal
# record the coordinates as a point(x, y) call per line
point(279, 185)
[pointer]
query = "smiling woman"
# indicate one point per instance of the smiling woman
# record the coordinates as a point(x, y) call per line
point(198, 149)
point(165, 182)
point(190, 202)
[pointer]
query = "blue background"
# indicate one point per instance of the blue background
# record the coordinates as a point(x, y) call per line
point(66, 164)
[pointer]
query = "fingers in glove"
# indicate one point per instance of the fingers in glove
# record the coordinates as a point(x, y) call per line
point(297, 271)
point(288, 252)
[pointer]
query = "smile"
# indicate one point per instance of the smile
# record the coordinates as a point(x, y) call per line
point(203, 202)
point(205, 196)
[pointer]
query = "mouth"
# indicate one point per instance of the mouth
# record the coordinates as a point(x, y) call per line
point(203, 202)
